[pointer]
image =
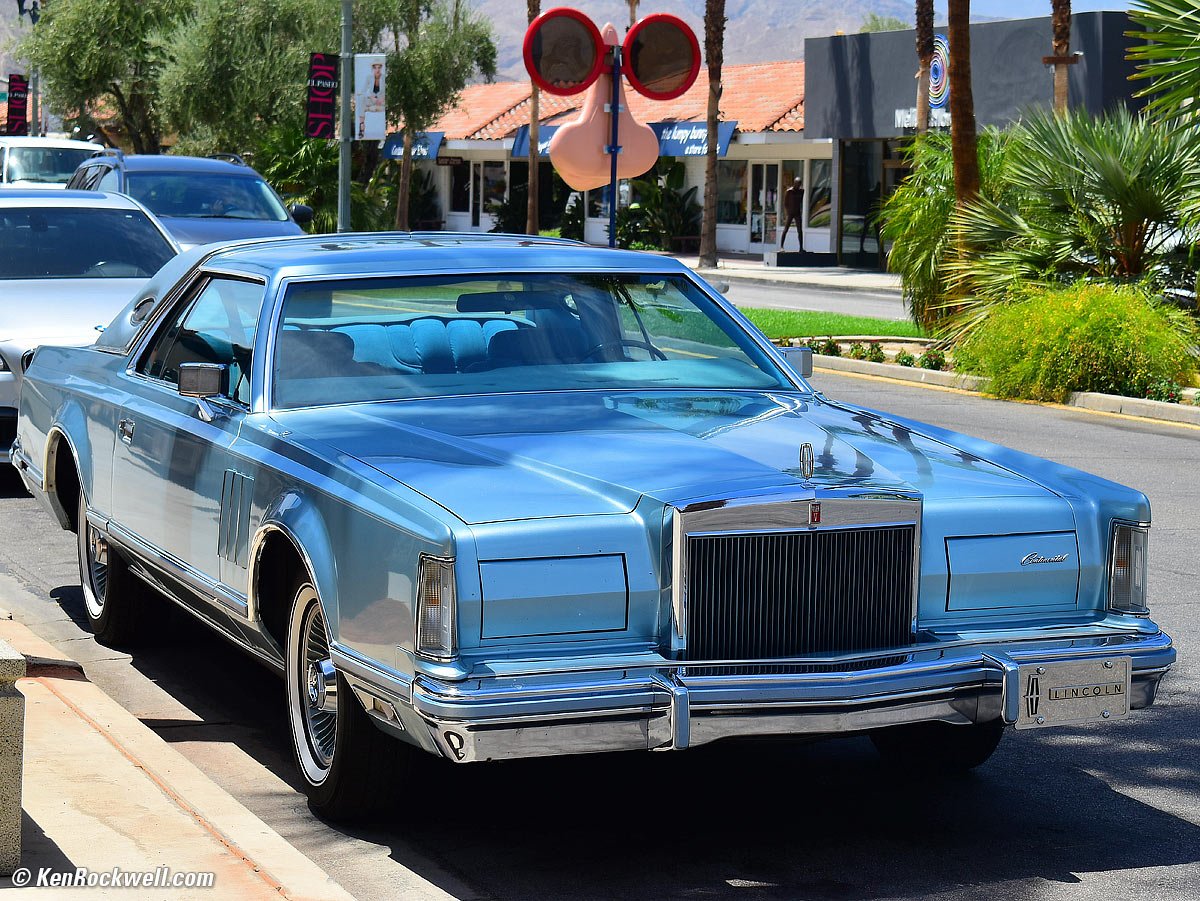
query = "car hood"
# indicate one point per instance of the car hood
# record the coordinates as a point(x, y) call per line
point(489, 459)
point(62, 310)
point(190, 232)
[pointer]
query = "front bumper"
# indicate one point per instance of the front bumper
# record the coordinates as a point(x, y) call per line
point(645, 704)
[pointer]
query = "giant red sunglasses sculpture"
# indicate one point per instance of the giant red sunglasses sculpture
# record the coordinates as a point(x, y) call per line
point(566, 54)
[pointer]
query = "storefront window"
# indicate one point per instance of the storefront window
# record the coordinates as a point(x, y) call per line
point(495, 183)
point(597, 199)
point(460, 188)
point(819, 193)
point(731, 192)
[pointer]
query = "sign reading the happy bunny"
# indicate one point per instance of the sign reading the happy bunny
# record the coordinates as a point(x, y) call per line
point(566, 54)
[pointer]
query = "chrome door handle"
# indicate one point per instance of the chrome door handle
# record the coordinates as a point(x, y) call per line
point(125, 427)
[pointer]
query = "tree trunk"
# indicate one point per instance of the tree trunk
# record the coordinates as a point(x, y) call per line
point(1060, 24)
point(962, 105)
point(533, 9)
point(531, 216)
point(924, 18)
point(402, 186)
point(714, 51)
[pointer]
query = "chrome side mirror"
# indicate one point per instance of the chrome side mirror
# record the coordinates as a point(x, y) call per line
point(203, 380)
point(800, 359)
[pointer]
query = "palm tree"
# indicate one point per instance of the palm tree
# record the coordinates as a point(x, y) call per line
point(1168, 53)
point(962, 105)
point(533, 8)
point(924, 61)
point(633, 6)
point(1060, 25)
point(714, 52)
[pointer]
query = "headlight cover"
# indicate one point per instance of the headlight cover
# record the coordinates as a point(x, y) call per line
point(1127, 568)
point(435, 608)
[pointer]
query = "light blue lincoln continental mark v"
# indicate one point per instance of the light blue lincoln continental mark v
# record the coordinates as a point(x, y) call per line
point(490, 497)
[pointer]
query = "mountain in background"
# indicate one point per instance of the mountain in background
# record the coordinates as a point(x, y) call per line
point(757, 30)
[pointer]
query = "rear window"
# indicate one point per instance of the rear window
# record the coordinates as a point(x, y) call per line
point(44, 165)
point(65, 242)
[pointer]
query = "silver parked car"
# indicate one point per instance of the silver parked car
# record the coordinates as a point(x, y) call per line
point(68, 262)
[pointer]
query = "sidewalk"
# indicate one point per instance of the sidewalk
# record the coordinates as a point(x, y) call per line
point(751, 269)
point(102, 791)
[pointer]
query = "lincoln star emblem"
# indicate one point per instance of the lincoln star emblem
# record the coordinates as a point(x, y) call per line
point(1033, 695)
point(806, 461)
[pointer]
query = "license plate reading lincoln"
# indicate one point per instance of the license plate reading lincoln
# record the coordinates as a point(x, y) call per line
point(1083, 691)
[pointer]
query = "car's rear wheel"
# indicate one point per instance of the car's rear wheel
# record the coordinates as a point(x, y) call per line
point(938, 747)
point(347, 764)
point(113, 598)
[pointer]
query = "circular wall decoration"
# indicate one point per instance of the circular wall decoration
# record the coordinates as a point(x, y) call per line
point(939, 73)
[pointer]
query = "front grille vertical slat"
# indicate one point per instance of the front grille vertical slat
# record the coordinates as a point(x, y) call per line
point(791, 594)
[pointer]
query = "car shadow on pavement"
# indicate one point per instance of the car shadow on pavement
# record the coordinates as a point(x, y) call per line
point(10, 482)
point(815, 820)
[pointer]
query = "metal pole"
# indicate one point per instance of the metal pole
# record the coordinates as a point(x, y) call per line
point(35, 108)
point(347, 120)
point(614, 146)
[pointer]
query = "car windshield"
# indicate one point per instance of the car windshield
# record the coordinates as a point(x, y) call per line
point(397, 338)
point(44, 165)
point(189, 195)
point(66, 242)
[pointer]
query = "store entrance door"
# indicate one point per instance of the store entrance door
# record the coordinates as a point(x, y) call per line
point(764, 207)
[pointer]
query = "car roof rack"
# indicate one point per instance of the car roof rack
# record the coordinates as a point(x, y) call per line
point(109, 151)
point(228, 157)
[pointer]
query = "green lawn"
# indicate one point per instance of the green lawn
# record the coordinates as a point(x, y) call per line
point(804, 324)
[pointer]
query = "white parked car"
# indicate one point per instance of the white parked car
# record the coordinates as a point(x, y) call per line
point(41, 162)
point(69, 261)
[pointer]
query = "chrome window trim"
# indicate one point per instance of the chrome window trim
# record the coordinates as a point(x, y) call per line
point(840, 510)
point(195, 282)
point(786, 373)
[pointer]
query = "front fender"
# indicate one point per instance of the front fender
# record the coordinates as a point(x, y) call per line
point(298, 520)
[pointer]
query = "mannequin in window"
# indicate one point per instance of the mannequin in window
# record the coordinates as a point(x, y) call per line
point(793, 209)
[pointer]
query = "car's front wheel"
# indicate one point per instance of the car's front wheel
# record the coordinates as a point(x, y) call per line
point(113, 598)
point(938, 747)
point(347, 764)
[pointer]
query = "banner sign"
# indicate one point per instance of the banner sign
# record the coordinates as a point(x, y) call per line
point(322, 95)
point(18, 105)
point(520, 148)
point(691, 138)
point(425, 145)
point(370, 97)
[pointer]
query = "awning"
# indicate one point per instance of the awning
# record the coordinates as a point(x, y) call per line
point(674, 139)
point(425, 146)
point(520, 148)
point(691, 138)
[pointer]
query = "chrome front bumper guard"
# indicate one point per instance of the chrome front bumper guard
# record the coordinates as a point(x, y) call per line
point(672, 706)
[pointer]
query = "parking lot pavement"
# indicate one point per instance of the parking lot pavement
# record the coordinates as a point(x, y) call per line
point(1081, 813)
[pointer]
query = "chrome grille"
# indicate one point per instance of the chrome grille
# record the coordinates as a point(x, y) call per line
point(790, 594)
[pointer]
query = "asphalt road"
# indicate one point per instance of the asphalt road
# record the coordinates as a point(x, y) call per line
point(800, 297)
point(1089, 813)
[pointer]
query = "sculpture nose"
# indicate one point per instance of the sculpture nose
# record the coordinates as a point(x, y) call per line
point(579, 149)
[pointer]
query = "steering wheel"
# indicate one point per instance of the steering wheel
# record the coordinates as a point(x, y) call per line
point(654, 352)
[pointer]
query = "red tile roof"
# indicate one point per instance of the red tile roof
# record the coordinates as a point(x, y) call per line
point(758, 96)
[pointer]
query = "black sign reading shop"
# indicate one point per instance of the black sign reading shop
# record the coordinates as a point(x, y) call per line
point(322, 95)
point(18, 105)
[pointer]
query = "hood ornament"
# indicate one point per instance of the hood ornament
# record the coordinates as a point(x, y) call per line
point(806, 462)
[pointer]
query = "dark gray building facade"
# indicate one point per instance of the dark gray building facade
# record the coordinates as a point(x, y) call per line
point(860, 92)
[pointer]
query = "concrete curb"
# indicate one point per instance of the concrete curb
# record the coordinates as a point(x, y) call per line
point(256, 851)
point(1088, 400)
point(733, 275)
